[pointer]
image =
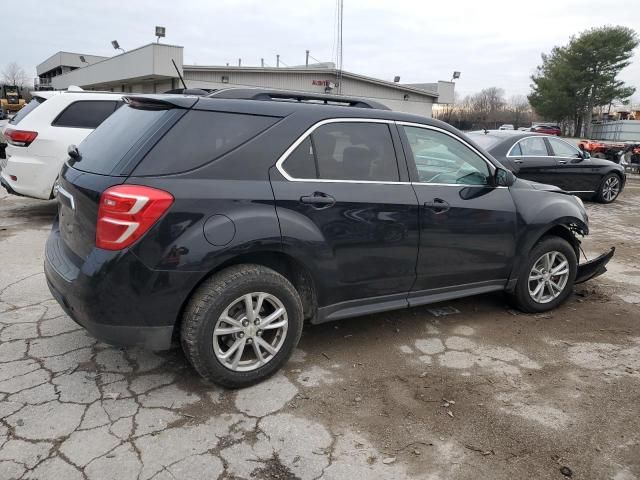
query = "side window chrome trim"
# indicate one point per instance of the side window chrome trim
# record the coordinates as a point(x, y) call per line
point(492, 167)
point(304, 136)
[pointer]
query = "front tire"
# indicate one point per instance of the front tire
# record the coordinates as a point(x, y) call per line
point(547, 277)
point(609, 188)
point(241, 325)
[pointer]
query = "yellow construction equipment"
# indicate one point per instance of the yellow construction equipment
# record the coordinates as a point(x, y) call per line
point(11, 101)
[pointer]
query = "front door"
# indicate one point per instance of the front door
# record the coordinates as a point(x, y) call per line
point(575, 173)
point(348, 211)
point(467, 226)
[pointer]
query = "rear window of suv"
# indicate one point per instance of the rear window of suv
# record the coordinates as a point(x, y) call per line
point(109, 148)
point(27, 109)
point(199, 138)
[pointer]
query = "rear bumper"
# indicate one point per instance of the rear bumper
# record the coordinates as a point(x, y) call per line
point(115, 296)
point(594, 268)
point(35, 175)
point(152, 338)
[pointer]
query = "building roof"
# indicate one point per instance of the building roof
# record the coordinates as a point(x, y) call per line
point(311, 71)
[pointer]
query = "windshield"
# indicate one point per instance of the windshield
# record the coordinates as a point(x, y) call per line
point(485, 141)
point(26, 110)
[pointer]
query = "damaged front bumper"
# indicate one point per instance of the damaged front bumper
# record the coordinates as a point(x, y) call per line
point(594, 268)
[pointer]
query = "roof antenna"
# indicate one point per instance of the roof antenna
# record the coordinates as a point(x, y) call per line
point(178, 72)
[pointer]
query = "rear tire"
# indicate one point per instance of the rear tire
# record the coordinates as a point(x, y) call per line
point(609, 188)
point(221, 305)
point(555, 284)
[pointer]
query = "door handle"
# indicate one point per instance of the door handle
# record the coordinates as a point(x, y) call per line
point(438, 205)
point(517, 160)
point(318, 200)
point(562, 162)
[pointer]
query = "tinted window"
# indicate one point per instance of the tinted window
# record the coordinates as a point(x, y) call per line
point(533, 146)
point(200, 137)
point(563, 149)
point(301, 162)
point(26, 110)
point(108, 145)
point(85, 114)
point(440, 158)
point(355, 151)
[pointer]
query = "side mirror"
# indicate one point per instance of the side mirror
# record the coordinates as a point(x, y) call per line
point(586, 155)
point(504, 178)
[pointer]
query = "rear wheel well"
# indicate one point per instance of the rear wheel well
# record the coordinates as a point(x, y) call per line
point(285, 265)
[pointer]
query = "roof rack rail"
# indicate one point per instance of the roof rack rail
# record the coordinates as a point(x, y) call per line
point(294, 96)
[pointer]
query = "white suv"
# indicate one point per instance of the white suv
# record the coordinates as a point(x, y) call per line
point(39, 135)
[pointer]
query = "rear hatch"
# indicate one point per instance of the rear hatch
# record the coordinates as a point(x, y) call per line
point(104, 159)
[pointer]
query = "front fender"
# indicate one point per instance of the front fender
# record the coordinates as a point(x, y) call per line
point(543, 212)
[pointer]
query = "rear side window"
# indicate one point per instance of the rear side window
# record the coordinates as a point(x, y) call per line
point(516, 151)
point(109, 145)
point(301, 162)
point(26, 110)
point(345, 151)
point(85, 114)
point(534, 147)
point(200, 137)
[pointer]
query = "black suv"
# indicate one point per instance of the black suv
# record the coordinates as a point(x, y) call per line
point(228, 220)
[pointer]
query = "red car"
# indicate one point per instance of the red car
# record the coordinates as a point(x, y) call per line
point(547, 128)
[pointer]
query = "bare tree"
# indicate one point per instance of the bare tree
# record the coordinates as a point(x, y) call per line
point(14, 74)
point(520, 109)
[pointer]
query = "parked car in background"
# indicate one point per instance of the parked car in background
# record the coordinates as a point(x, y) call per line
point(506, 126)
point(550, 160)
point(39, 134)
point(547, 128)
point(230, 219)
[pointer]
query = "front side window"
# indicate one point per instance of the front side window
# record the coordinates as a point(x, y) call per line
point(440, 158)
point(85, 114)
point(563, 149)
point(533, 147)
point(345, 151)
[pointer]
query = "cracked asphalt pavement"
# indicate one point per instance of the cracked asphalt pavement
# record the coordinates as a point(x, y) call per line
point(485, 392)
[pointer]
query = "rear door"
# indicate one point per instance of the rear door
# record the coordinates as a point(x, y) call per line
point(347, 209)
point(532, 160)
point(467, 226)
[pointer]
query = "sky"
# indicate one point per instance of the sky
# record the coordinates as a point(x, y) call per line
point(492, 43)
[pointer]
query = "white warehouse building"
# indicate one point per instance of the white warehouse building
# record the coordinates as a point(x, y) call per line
point(150, 69)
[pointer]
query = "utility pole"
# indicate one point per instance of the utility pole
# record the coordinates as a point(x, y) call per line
point(306, 63)
point(239, 62)
point(262, 62)
point(277, 60)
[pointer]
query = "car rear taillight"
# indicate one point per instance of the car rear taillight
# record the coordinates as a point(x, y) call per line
point(19, 138)
point(127, 212)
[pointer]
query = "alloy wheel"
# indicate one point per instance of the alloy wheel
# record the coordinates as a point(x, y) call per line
point(250, 331)
point(611, 189)
point(548, 277)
